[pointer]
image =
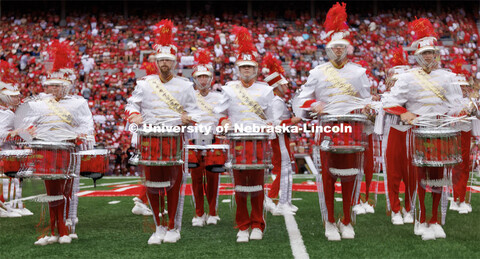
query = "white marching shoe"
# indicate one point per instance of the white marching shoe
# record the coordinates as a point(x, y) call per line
point(53, 239)
point(212, 220)
point(346, 231)
point(331, 232)
point(397, 218)
point(407, 216)
point(293, 208)
point(73, 236)
point(454, 205)
point(242, 236)
point(358, 209)
point(141, 209)
point(65, 239)
point(257, 234)
point(172, 236)
point(24, 212)
point(428, 234)
point(42, 241)
point(199, 221)
point(367, 207)
point(419, 228)
point(438, 230)
point(269, 205)
point(283, 209)
point(464, 208)
point(9, 214)
point(158, 236)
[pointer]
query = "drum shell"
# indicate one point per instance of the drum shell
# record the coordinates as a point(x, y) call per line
point(249, 151)
point(160, 150)
point(351, 138)
point(436, 147)
point(94, 164)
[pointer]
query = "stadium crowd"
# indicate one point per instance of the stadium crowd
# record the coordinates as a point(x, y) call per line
point(109, 49)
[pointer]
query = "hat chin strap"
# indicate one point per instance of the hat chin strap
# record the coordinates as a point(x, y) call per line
point(427, 66)
point(333, 57)
point(200, 86)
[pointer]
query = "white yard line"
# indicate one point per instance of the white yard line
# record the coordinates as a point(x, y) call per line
point(296, 241)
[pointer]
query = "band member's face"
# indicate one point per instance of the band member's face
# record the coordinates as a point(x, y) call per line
point(203, 80)
point(247, 71)
point(338, 50)
point(165, 65)
point(428, 56)
point(55, 90)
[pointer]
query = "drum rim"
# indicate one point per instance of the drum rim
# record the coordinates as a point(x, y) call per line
point(158, 134)
point(206, 147)
point(436, 132)
point(343, 117)
point(49, 145)
point(247, 136)
point(11, 152)
point(93, 152)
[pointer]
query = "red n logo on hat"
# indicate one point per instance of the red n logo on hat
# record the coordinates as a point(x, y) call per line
point(247, 57)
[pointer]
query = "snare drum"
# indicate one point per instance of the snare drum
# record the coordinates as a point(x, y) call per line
point(436, 147)
point(160, 148)
point(14, 161)
point(346, 133)
point(93, 163)
point(249, 151)
point(52, 160)
point(216, 158)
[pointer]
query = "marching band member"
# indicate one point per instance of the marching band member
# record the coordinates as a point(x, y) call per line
point(249, 103)
point(206, 100)
point(9, 101)
point(344, 87)
point(395, 151)
point(282, 158)
point(57, 116)
point(461, 172)
point(166, 99)
point(426, 90)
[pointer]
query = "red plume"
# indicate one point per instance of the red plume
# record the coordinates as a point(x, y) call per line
point(164, 32)
point(273, 64)
point(203, 57)
point(5, 72)
point(457, 67)
point(336, 18)
point(421, 28)
point(399, 57)
point(244, 40)
point(149, 67)
point(62, 55)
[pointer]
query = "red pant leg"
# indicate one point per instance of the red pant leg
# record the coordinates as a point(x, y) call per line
point(212, 192)
point(431, 173)
point(368, 166)
point(338, 161)
point(143, 194)
point(257, 177)
point(197, 186)
point(461, 172)
point(249, 178)
point(173, 195)
point(57, 188)
point(273, 193)
point(328, 187)
point(396, 160)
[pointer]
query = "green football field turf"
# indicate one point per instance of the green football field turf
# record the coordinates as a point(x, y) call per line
point(112, 231)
